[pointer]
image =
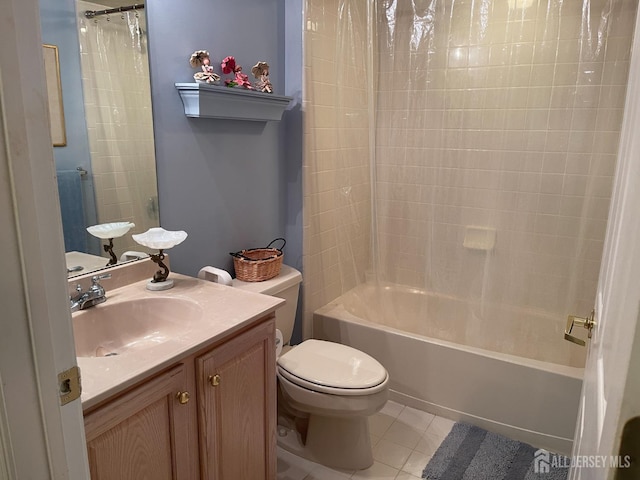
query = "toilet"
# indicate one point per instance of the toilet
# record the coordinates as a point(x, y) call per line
point(326, 390)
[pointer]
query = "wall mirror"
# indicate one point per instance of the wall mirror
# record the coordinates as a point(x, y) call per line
point(106, 171)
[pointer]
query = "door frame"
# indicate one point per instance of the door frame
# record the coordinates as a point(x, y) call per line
point(616, 338)
point(39, 437)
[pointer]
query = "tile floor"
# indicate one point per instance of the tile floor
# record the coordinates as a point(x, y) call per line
point(403, 439)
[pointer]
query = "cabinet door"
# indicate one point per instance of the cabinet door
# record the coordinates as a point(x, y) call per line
point(144, 434)
point(237, 407)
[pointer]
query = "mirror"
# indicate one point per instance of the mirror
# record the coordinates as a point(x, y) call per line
point(106, 171)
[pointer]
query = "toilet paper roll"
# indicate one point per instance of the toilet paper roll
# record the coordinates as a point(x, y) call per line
point(279, 342)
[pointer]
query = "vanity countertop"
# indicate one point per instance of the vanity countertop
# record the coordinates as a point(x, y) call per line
point(225, 310)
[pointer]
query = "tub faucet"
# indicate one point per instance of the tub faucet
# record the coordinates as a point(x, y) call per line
point(93, 296)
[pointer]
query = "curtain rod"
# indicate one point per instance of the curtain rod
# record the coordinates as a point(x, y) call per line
point(95, 13)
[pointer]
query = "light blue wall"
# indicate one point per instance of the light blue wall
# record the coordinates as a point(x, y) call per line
point(58, 19)
point(291, 140)
point(58, 23)
point(229, 184)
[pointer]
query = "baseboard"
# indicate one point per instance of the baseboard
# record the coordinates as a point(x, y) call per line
point(536, 439)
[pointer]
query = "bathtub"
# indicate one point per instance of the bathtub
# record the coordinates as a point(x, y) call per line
point(513, 374)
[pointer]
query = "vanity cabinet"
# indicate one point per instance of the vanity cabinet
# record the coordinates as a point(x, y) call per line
point(144, 433)
point(237, 407)
point(212, 416)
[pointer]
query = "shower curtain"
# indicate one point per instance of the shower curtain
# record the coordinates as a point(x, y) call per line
point(117, 98)
point(468, 149)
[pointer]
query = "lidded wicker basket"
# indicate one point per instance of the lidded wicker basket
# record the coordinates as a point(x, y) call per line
point(258, 264)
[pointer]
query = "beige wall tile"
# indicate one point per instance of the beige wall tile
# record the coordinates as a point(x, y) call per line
point(513, 123)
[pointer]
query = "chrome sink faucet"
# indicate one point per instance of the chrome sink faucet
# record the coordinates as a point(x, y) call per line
point(93, 296)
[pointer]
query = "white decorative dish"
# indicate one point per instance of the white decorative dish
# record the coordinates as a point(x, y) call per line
point(110, 230)
point(160, 239)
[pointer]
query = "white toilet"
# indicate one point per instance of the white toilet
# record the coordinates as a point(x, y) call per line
point(326, 389)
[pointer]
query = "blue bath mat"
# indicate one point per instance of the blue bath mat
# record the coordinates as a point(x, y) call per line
point(471, 453)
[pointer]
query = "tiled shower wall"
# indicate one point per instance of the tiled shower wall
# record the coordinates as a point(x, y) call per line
point(336, 188)
point(118, 110)
point(485, 115)
point(500, 118)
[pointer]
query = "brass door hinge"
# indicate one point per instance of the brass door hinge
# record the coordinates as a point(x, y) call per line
point(69, 385)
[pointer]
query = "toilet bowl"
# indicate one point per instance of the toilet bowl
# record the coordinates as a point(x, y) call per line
point(326, 391)
point(338, 387)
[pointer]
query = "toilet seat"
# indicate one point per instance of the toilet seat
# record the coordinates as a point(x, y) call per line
point(333, 368)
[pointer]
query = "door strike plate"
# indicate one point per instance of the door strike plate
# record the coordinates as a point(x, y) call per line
point(69, 385)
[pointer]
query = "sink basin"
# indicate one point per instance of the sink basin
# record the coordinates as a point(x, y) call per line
point(117, 328)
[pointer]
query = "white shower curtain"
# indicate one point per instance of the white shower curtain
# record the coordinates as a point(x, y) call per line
point(117, 99)
point(488, 130)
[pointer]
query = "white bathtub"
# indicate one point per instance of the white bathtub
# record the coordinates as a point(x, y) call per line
point(504, 369)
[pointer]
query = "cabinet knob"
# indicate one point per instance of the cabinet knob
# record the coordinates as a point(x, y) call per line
point(183, 397)
point(214, 380)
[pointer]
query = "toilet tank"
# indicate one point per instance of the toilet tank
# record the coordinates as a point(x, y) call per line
point(286, 285)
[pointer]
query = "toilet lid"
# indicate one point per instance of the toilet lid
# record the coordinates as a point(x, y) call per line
point(332, 365)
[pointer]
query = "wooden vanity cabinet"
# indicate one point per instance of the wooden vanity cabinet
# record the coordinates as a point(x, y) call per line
point(223, 429)
point(237, 407)
point(144, 433)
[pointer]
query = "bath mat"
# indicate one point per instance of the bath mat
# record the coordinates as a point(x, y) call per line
point(471, 453)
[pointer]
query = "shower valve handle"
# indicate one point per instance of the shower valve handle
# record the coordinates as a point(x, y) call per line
point(587, 323)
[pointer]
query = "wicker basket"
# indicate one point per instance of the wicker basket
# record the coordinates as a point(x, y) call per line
point(258, 264)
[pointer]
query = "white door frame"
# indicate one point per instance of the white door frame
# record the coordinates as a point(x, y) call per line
point(611, 385)
point(38, 437)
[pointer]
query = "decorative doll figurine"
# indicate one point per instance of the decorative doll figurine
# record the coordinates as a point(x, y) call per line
point(200, 58)
point(261, 71)
point(241, 79)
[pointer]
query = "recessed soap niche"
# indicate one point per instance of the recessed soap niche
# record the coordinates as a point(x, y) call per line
point(479, 238)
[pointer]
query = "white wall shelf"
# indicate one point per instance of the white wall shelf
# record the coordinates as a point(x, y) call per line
point(212, 101)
